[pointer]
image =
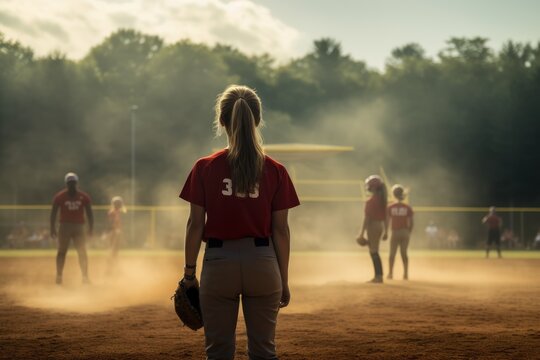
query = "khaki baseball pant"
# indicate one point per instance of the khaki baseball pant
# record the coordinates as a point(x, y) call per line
point(400, 238)
point(66, 233)
point(245, 269)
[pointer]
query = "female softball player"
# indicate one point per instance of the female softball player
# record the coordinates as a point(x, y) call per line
point(245, 197)
point(115, 228)
point(401, 217)
point(494, 224)
point(72, 204)
point(375, 223)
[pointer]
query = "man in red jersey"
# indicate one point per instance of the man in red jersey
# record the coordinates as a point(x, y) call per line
point(494, 223)
point(72, 203)
point(401, 216)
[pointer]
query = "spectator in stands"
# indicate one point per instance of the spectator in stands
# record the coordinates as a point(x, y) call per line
point(18, 235)
point(452, 239)
point(509, 240)
point(432, 232)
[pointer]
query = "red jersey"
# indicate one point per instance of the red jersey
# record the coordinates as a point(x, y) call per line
point(493, 221)
point(71, 207)
point(234, 216)
point(374, 209)
point(400, 214)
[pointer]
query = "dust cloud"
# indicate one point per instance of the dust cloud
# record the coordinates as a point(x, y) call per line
point(134, 281)
point(315, 225)
point(364, 126)
point(318, 280)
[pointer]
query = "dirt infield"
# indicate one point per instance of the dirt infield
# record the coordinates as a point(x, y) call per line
point(453, 308)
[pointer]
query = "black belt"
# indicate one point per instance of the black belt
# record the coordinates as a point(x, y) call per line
point(258, 242)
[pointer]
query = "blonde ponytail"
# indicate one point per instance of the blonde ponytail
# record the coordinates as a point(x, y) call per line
point(238, 110)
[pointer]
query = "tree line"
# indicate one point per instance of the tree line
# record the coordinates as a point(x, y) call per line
point(471, 110)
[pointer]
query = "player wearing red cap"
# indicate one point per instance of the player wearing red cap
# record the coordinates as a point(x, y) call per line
point(72, 204)
point(401, 218)
point(375, 223)
point(239, 205)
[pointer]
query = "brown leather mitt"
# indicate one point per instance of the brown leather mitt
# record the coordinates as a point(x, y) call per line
point(362, 241)
point(187, 306)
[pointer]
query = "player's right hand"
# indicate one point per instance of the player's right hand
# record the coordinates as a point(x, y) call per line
point(285, 297)
point(53, 233)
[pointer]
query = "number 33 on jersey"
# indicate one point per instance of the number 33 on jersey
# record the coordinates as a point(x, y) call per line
point(230, 215)
point(228, 190)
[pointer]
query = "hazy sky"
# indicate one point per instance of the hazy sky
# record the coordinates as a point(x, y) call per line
point(368, 30)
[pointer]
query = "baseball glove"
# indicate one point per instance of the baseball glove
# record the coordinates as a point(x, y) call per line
point(187, 306)
point(362, 241)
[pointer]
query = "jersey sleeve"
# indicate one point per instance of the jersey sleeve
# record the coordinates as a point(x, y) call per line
point(285, 196)
point(56, 200)
point(193, 190)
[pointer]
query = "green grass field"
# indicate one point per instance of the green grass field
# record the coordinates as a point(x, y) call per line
point(514, 254)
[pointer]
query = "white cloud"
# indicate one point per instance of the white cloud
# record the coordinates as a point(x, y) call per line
point(73, 26)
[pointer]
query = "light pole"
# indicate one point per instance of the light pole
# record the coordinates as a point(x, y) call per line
point(132, 215)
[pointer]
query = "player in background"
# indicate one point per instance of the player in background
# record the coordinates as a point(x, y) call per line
point(401, 217)
point(114, 217)
point(245, 197)
point(72, 204)
point(375, 223)
point(494, 224)
point(536, 242)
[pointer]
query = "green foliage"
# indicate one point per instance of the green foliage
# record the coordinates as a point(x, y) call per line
point(471, 110)
point(412, 51)
point(120, 60)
